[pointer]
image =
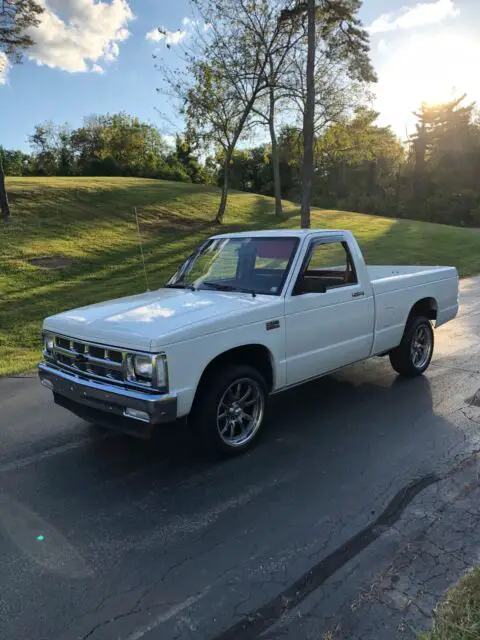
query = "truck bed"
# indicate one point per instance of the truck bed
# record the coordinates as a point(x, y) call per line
point(392, 272)
point(397, 288)
point(388, 278)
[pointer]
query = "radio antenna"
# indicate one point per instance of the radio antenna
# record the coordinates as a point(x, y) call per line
point(140, 244)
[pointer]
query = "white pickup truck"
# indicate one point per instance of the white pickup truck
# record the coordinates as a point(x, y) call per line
point(247, 315)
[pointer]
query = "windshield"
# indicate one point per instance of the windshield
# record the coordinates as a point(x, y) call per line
point(255, 265)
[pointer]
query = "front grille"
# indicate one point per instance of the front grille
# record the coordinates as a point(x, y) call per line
point(89, 360)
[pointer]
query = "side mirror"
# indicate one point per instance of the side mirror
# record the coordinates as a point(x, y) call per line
point(309, 285)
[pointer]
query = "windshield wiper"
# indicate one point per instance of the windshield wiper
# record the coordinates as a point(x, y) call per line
point(228, 287)
point(180, 285)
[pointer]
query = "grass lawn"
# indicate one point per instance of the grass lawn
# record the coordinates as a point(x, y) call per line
point(90, 223)
point(457, 617)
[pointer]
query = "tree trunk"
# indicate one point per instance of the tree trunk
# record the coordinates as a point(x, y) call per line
point(223, 200)
point(228, 158)
point(4, 206)
point(308, 120)
point(277, 186)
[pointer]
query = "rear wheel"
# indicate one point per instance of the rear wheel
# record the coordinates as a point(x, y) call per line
point(230, 409)
point(414, 354)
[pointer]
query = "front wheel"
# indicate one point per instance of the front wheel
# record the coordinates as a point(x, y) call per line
point(414, 354)
point(230, 409)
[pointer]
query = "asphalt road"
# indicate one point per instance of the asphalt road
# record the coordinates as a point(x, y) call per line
point(104, 537)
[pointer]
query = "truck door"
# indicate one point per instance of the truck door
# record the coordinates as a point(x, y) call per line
point(329, 314)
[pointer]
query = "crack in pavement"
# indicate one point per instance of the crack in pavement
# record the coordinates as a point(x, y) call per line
point(138, 608)
point(160, 619)
point(119, 616)
point(259, 620)
point(256, 622)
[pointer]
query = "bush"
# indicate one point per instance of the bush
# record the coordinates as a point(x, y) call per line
point(106, 167)
point(459, 209)
point(175, 173)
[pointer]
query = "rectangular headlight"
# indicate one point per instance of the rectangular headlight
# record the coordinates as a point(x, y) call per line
point(150, 370)
point(143, 367)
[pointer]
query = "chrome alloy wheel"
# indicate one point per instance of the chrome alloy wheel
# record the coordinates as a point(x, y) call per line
point(421, 347)
point(240, 412)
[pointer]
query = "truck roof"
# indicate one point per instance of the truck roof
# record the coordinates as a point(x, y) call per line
point(279, 233)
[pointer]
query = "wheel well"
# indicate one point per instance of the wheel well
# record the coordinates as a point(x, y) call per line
point(255, 355)
point(426, 307)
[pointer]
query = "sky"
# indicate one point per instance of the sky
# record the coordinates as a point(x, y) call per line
point(95, 56)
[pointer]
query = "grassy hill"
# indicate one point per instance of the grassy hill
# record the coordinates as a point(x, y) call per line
point(85, 229)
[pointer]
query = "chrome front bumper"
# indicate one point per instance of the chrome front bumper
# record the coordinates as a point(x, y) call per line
point(107, 404)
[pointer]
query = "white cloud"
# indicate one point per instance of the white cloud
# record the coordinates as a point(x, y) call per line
point(155, 35)
point(382, 46)
point(421, 14)
point(98, 69)
point(74, 33)
point(4, 66)
point(170, 37)
point(175, 37)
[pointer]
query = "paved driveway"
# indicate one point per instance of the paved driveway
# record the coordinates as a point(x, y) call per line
point(110, 538)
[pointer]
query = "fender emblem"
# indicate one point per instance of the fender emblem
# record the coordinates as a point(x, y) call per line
point(273, 324)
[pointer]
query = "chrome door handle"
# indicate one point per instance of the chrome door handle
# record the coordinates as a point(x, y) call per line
point(358, 294)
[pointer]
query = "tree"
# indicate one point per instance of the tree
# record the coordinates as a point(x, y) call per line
point(216, 117)
point(251, 170)
point(245, 37)
point(118, 144)
point(309, 116)
point(442, 177)
point(113, 145)
point(15, 162)
point(17, 18)
point(278, 75)
point(45, 143)
point(227, 72)
point(357, 164)
point(88, 141)
point(291, 155)
point(185, 154)
point(444, 133)
point(66, 158)
point(333, 26)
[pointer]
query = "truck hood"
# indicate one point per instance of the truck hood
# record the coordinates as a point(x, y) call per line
point(160, 317)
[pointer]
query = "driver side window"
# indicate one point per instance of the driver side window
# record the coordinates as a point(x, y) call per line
point(329, 266)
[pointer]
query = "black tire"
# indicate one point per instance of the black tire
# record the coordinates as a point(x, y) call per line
point(206, 411)
point(405, 358)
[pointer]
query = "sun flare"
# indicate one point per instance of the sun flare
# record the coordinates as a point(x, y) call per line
point(430, 69)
